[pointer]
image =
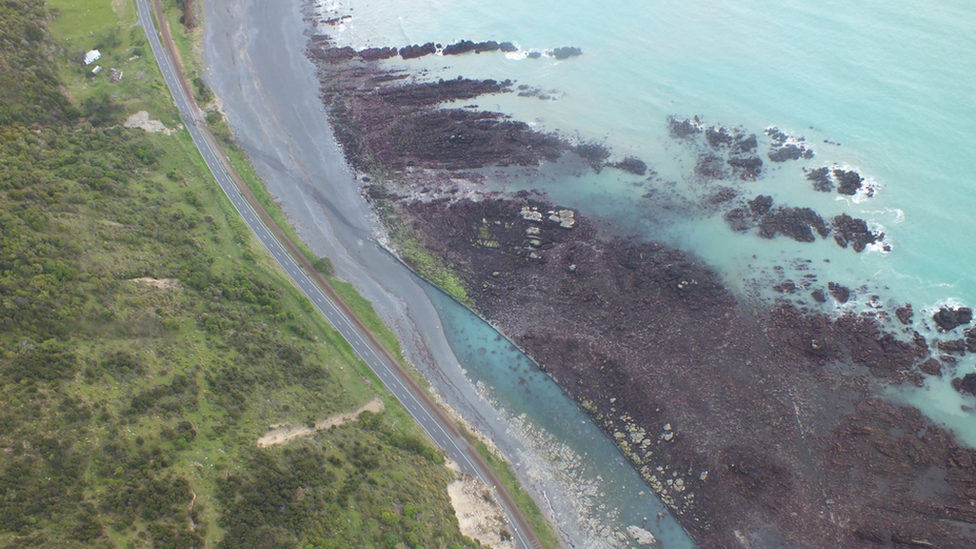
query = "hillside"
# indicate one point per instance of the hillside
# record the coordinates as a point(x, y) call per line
point(147, 341)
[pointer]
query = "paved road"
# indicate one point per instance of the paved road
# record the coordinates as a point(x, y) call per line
point(440, 429)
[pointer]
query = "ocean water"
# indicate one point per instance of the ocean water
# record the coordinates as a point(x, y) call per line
point(891, 84)
point(610, 494)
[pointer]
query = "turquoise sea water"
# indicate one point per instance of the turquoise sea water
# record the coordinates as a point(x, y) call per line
point(522, 391)
point(893, 82)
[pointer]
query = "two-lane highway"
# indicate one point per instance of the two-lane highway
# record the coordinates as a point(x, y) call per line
point(432, 419)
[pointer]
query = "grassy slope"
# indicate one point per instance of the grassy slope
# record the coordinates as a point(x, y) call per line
point(130, 412)
point(187, 42)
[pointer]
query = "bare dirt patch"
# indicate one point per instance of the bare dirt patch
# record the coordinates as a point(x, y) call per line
point(479, 515)
point(141, 120)
point(281, 435)
point(161, 283)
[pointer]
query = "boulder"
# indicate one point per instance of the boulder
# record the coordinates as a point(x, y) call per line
point(971, 340)
point(841, 293)
point(462, 46)
point(717, 136)
point(957, 346)
point(947, 319)
point(931, 367)
point(965, 385)
point(786, 287)
point(745, 144)
point(905, 314)
point(565, 52)
point(848, 182)
point(761, 205)
point(789, 151)
point(414, 51)
point(796, 223)
point(853, 231)
point(821, 179)
point(785, 147)
point(376, 54)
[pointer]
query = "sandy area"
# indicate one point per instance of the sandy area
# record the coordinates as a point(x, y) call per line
point(281, 435)
point(162, 283)
point(478, 513)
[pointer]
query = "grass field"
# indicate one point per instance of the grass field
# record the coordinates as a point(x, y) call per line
point(147, 340)
point(188, 44)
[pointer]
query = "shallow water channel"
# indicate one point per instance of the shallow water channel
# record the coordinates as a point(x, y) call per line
point(611, 491)
point(270, 98)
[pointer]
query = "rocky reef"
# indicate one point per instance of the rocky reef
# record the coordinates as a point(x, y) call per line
point(759, 424)
point(847, 182)
point(787, 147)
point(801, 224)
point(731, 147)
point(717, 409)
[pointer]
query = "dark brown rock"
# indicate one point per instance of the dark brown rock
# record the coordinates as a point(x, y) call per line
point(376, 54)
point(931, 367)
point(971, 340)
point(775, 430)
point(854, 231)
point(745, 144)
point(947, 319)
point(784, 147)
point(905, 314)
point(718, 137)
point(966, 384)
point(415, 51)
point(565, 52)
point(796, 223)
point(821, 179)
point(595, 154)
point(953, 346)
point(432, 93)
point(785, 287)
point(841, 293)
point(333, 55)
point(761, 205)
point(848, 182)
point(789, 152)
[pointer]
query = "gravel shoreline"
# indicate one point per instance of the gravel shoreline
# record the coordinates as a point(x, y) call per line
point(271, 100)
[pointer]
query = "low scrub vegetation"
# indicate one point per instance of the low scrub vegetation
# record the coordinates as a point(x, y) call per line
point(146, 342)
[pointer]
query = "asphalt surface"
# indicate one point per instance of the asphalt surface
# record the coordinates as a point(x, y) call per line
point(444, 434)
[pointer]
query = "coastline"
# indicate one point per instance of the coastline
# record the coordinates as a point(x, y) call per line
point(296, 155)
point(768, 414)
